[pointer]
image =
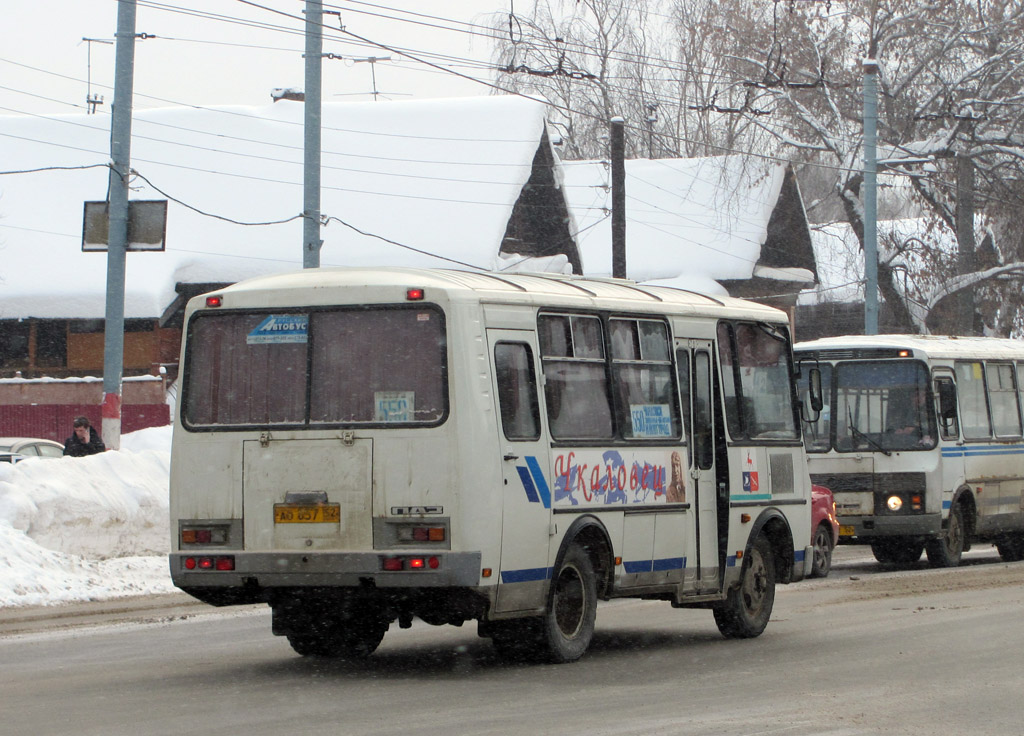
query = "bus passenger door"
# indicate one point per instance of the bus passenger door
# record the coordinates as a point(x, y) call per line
point(526, 497)
point(694, 363)
point(950, 444)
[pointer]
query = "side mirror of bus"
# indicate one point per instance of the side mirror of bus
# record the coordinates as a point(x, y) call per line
point(814, 394)
point(810, 409)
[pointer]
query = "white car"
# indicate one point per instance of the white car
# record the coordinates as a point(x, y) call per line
point(16, 449)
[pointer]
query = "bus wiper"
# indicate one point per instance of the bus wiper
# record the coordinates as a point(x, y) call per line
point(861, 435)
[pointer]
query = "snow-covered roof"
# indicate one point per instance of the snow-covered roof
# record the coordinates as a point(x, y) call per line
point(690, 223)
point(438, 176)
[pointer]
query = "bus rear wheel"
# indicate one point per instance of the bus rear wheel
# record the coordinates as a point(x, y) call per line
point(1011, 548)
point(345, 639)
point(946, 550)
point(747, 607)
point(563, 633)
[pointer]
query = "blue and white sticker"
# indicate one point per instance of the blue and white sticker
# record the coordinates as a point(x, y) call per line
point(651, 420)
point(394, 406)
point(280, 328)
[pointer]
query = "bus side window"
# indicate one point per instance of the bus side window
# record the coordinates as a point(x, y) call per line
point(575, 376)
point(645, 397)
point(949, 426)
point(1002, 397)
point(703, 446)
point(517, 391)
point(970, 379)
point(683, 374)
point(727, 356)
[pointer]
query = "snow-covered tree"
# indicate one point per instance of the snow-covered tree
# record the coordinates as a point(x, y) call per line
point(785, 79)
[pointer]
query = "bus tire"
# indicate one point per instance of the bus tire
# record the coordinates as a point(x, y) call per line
point(1011, 548)
point(822, 544)
point(747, 607)
point(346, 640)
point(566, 628)
point(897, 551)
point(946, 550)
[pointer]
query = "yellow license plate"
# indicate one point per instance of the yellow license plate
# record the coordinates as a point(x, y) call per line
point(846, 530)
point(325, 513)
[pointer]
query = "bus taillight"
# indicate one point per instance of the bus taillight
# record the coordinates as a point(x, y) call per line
point(398, 564)
point(224, 563)
point(409, 533)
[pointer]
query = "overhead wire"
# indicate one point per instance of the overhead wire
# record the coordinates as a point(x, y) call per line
point(378, 45)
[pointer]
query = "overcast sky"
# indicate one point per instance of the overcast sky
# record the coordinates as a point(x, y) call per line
point(208, 52)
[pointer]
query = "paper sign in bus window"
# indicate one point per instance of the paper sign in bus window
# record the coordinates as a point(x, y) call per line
point(394, 406)
point(651, 420)
point(280, 328)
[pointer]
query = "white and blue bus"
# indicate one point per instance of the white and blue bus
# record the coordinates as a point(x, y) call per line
point(921, 442)
point(356, 447)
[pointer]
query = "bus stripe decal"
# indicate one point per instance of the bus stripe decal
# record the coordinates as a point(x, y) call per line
point(981, 450)
point(531, 492)
point(538, 477)
point(670, 563)
point(525, 576)
point(636, 566)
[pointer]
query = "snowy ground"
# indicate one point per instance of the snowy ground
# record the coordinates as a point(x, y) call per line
point(84, 529)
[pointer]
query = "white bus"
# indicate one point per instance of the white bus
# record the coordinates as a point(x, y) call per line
point(920, 440)
point(359, 446)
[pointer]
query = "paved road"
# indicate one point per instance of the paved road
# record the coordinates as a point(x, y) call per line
point(869, 650)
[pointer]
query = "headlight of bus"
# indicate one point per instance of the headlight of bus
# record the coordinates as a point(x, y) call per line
point(894, 503)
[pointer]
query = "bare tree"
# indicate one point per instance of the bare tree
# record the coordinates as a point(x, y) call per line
point(666, 66)
point(950, 85)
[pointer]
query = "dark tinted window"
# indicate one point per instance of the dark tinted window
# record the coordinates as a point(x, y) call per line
point(517, 391)
point(356, 366)
point(575, 377)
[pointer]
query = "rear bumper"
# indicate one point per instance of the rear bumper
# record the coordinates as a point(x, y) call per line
point(262, 570)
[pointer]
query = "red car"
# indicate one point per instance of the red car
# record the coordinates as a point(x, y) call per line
point(824, 530)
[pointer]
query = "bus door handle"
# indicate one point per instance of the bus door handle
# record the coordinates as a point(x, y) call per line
point(510, 456)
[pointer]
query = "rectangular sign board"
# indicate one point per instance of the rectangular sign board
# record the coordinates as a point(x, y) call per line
point(147, 225)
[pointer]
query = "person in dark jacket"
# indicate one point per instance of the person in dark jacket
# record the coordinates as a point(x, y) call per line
point(84, 440)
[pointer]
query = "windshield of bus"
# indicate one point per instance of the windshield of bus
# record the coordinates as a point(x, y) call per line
point(874, 407)
point(379, 366)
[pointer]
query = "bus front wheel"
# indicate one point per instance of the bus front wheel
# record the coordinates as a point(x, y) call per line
point(945, 551)
point(897, 551)
point(745, 612)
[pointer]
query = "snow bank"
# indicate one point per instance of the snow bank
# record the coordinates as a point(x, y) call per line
point(87, 528)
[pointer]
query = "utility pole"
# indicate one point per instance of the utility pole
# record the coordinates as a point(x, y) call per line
point(312, 120)
point(870, 192)
point(117, 241)
point(618, 154)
